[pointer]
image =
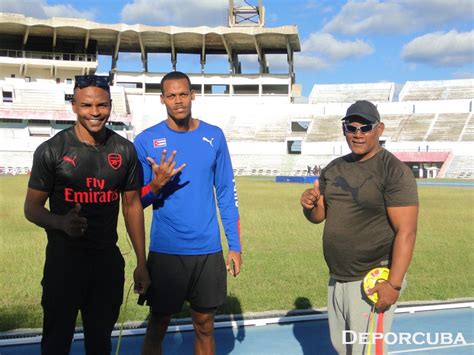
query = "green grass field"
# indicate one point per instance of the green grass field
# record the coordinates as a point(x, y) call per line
point(283, 259)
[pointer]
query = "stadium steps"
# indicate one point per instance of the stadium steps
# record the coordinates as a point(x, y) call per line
point(276, 164)
point(40, 99)
point(437, 90)
point(393, 124)
point(447, 127)
point(16, 161)
point(119, 101)
point(375, 92)
point(461, 167)
point(415, 127)
point(325, 129)
point(468, 130)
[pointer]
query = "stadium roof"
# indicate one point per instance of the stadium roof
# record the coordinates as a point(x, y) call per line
point(113, 38)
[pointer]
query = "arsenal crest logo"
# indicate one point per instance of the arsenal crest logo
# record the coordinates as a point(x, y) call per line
point(115, 160)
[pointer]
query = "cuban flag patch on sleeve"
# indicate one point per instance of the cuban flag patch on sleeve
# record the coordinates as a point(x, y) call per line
point(159, 143)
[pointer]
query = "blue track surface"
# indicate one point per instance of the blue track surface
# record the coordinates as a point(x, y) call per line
point(310, 337)
point(446, 183)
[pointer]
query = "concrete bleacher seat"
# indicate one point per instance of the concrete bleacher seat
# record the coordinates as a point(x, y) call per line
point(393, 123)
point(415, 127)
point(48, 96)
point(36, 98)
point(461, 167)
point(272, 129)
point(437, 90)
point(468, 132)
point(24, 124)
point(244, 131)
point(277, 164)
point(447, 127)
point(257, 132)
point(119, 101)
point(255, 164)
point(15, 158)
point(375, 92)
point(325, 128)
point(254, 128)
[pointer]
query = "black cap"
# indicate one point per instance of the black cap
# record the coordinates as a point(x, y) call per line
point(365, 109)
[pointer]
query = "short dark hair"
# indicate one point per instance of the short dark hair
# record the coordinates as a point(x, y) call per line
point(175, 75)
point(83, 81)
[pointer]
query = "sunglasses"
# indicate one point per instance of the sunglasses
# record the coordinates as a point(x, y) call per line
point(83, 81)
point(366, 128)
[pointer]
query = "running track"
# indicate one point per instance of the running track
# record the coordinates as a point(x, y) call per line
point(304, 334)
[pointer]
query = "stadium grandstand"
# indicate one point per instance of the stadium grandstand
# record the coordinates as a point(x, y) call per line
point(271, 130)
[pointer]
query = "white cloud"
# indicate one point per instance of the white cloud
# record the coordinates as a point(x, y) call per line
point(34, 8)
point(463, 74)
point(67, 10)
point(323, 50)
point(447, 49)
point(398, 16)
point(176, 13)
point(321, 6)
point(278, 63)
point(329, 47)
point(439, 12)
point(307, 62)
point(40, 9)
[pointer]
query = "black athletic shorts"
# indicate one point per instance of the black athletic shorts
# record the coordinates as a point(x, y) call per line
point(199, 279)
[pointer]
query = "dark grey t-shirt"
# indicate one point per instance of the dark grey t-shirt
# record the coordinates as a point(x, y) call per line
point(357, 233)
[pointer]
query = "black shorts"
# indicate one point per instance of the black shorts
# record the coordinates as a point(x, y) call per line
point(199, 279)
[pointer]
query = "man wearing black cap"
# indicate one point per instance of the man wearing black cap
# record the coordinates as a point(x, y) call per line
point(85, 171)
point(369, 201)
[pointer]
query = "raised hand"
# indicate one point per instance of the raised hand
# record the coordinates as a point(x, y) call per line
point(163, 172)
point(310, 197)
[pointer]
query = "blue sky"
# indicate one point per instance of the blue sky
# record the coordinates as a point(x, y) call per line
point(363, 41)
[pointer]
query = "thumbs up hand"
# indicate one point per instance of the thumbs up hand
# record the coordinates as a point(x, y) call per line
point(310, 197)
point(73, 224)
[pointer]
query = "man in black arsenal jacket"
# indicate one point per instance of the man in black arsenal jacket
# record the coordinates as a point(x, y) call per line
point(83, 171)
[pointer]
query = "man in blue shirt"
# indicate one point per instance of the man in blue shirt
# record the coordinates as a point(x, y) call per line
point(185, 259)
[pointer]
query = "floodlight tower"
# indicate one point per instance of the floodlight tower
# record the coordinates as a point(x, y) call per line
point(247, 15)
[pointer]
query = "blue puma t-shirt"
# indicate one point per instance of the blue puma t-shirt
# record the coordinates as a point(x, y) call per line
point(184, 212)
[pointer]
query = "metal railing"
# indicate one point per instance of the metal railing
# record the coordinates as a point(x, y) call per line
point(12, 53)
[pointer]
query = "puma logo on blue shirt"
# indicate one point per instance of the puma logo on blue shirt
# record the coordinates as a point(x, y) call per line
point(208, 140)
